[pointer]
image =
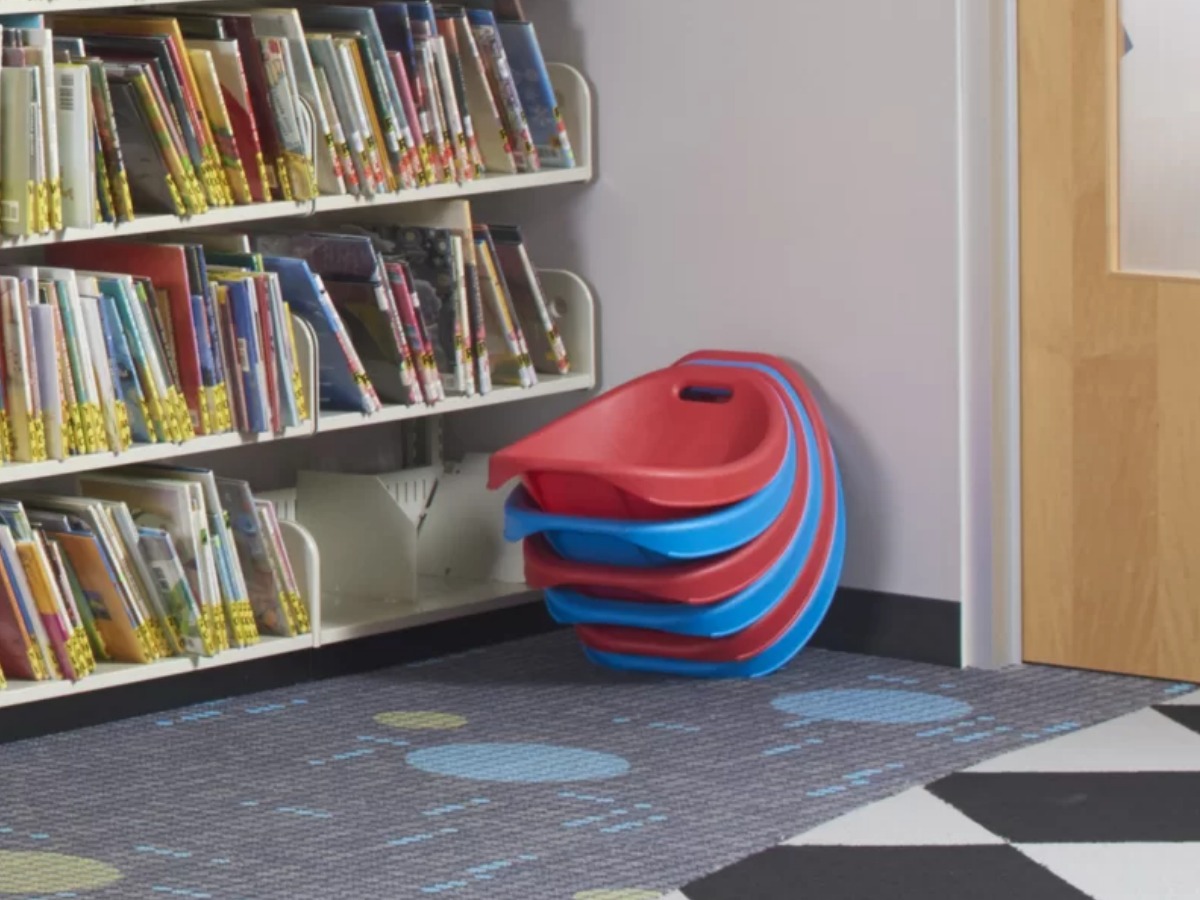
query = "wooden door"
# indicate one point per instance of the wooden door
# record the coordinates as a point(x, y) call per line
point(1110, 378)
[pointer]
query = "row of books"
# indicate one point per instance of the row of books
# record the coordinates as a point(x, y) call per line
point(109, 115)
point(143, 564)
point(114, 343)
point(410, 313)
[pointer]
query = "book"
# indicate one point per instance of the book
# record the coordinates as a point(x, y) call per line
point(343, 382)
point(285, 24)
point(528, 67)
point(229, 144)
point(20, 125)
point(529, 301)
point(77, 152)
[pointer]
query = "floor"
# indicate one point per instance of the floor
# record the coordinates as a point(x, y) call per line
point(1111, 812)
point(516, 772)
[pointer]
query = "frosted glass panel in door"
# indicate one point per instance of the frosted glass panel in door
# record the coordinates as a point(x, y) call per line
point(1159, 136)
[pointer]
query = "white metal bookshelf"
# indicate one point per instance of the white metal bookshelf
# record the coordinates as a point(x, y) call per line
point(456, 562)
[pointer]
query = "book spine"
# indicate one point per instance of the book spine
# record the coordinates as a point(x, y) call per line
point(415, 135)
point(453, 52)
point(78, 190)
point(340, 147)
point(479, 351)
point(114, 160)
point(408, 368)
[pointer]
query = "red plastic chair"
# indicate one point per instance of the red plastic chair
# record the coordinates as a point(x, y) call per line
point(698, 583)
point(677, 442)
point(763, 633)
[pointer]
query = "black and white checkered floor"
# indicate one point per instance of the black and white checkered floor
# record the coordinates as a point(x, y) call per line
point(1109, 813)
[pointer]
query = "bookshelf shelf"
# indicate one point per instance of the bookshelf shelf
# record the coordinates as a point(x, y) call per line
point(549, 386)
point(285, 209)
point(11, 473)
point(438, 601)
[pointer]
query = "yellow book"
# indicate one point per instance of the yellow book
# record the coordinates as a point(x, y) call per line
point(209, 84)
point(212, 176)
point(71, 662)
point(11, 591)
point(179, 164)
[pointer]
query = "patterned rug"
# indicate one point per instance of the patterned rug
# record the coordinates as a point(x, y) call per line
point(517, 772)
point(1111, 812)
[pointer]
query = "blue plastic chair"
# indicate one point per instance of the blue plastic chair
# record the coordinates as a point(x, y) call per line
point(727, 616)
point(773, 657)
point(642, 544)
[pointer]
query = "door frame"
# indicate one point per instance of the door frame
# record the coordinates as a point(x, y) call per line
point(989, 332)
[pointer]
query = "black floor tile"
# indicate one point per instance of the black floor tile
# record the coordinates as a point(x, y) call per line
point(1187, 716)
point(884, 873)
point(1079, 807)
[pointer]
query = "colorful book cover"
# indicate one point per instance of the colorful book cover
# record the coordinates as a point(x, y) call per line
point(174, 592)
point(537, 95)
point(235, 91)
point(112, 616)
point(503, 345)
point(525, 289)
point(110, 143)
point(400, 279)
point(369, 325)
point(504, 88)
point(429, 253)
point(343, 380)
point(227, 141)
point(265, 591)
point(286, 24)
point(284, 101)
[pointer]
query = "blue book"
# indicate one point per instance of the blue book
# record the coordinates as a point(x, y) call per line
point(537, 94)
point(204, 348)
point(129, 383)
point(343, 384)
point(242, 305)
point(396, 30)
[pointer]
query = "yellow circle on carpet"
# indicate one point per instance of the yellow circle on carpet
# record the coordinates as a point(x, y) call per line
point(421, 721)
point(619, 894)
point(24, 872)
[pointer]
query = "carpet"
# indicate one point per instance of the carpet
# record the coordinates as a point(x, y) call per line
point(515, 772)
point(1110, 812)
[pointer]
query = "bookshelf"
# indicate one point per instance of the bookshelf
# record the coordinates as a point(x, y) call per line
point(458, 565)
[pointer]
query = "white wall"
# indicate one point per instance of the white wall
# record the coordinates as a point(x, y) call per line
point(783, 176)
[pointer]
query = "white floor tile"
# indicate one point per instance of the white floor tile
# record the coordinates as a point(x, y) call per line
point(1143, 741)
point(1124, 871)
point(912, 818)
point(1186, 700)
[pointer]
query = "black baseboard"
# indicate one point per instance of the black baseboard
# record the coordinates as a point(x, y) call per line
point(893, 625)
point(859, 621)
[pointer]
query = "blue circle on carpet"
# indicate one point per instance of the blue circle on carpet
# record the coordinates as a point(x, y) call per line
point(885, 707)
point(518, 763)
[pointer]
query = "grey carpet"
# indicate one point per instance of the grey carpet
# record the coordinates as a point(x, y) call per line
point(518, 772)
